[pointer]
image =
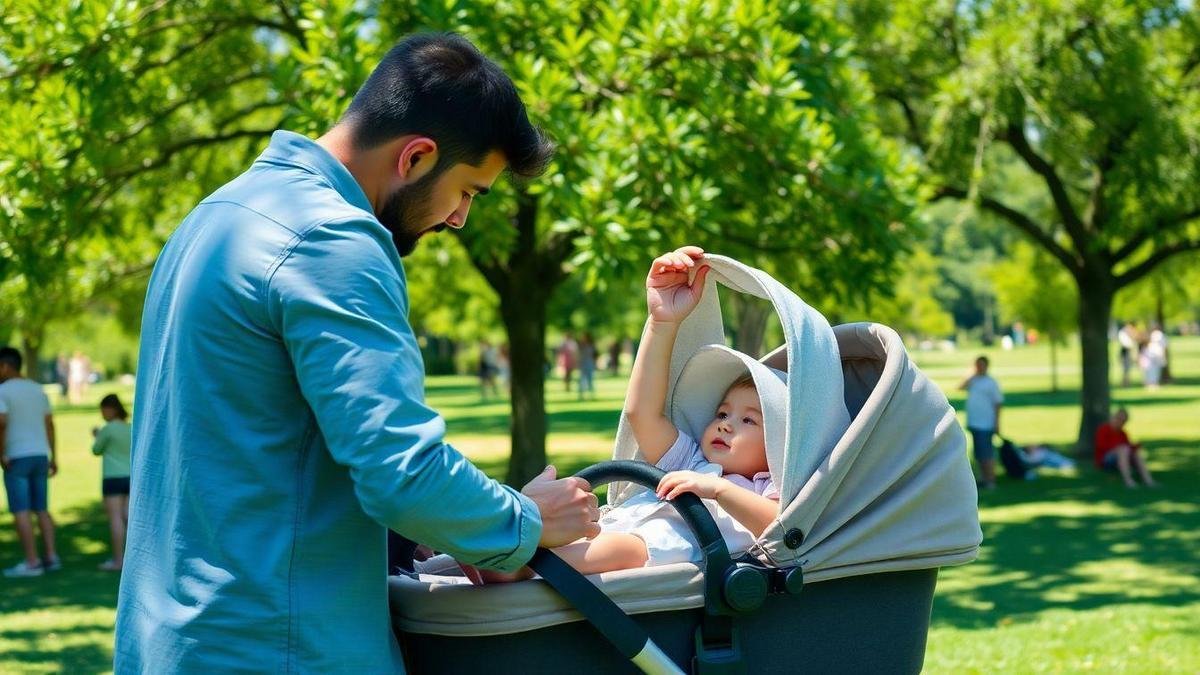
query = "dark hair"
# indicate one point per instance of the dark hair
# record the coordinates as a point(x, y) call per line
point(10, 356)
point(982, 359)
point(111, 401)
point(439, 85)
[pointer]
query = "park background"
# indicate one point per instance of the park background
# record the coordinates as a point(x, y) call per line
point(951, 169)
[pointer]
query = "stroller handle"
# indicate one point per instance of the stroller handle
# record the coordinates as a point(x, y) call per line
point(717, 561)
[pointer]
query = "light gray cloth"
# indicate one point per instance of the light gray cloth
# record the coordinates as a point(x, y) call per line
point(892, 490)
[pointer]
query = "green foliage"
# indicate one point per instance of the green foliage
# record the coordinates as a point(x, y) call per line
point(915, 309)
point(1031, 289)
point(1095, 102)
point(118, 119)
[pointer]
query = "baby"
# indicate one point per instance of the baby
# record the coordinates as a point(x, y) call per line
point(728, 464)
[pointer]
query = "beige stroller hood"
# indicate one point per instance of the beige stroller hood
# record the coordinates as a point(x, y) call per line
point(890, 491)
point(873, 476)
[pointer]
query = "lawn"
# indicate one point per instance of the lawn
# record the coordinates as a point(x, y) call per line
point(1076, 573)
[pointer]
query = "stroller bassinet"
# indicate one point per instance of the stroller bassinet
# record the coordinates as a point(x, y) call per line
point(868, 512)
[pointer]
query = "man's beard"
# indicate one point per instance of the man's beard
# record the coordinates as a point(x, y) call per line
point(405, 210)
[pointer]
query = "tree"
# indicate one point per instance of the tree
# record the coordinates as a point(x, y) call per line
point(653, 156)
point(780, 162)
point(120, 118)
point(1100, 103)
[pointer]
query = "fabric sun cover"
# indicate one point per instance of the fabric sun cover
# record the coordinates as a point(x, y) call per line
point(891, 490)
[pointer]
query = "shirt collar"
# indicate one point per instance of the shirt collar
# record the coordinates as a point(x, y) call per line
point(293, 149)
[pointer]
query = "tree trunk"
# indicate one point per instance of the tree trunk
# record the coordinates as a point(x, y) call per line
point(1095, 312)
point(989, 335)
point(523, 310)
point(31, 345)
point(1054, 364)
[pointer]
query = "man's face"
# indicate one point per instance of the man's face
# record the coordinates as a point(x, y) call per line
point(1120, 419)
point(437, 200)
point(981, 367)
point(6, 372)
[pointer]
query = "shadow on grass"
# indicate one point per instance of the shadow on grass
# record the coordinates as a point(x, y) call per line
point(78, 658)
point(1081, 543)
point(591, 419)
point(79, 583)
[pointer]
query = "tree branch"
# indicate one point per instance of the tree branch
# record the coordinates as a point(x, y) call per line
point(1160, 226)
point(200, 141)
point(1022, 222)
point(1014, 134)
point(1156, 258)
point(910, 118)
point(1097, 210)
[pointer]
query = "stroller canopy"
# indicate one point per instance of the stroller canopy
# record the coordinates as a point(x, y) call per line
point(891, 490)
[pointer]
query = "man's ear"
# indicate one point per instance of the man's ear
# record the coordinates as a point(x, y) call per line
point(417, 157)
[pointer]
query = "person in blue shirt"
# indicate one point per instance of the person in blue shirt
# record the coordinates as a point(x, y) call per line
point(282, 425)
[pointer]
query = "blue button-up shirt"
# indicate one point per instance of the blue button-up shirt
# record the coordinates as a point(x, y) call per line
point(280, 425)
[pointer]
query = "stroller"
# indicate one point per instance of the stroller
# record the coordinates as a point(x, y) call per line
point(875, 495)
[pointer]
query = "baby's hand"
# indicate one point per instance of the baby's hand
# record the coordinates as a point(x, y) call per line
point(669, 296)
point(703, 485)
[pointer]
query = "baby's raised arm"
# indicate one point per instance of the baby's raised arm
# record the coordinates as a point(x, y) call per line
point(669, 299)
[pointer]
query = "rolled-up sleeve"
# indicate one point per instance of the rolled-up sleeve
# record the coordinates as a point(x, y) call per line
point(338, 300)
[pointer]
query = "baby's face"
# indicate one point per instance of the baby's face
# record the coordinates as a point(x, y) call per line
point(734, 439)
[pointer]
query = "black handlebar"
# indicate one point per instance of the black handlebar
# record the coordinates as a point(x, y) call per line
point(716, 553)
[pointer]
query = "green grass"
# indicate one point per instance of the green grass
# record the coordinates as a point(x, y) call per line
point(1076, 572)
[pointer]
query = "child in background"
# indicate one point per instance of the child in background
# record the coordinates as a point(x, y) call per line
point(727, 465)
point(113, 441)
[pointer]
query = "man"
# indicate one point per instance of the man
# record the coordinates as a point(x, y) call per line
point(983, 419)
point(1114, 451)
point(281, 421)
point(28, 454)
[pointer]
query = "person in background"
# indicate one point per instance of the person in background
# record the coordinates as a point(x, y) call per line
point(568, 358)
point(587, 366)
point(62, 372)
point(984, 400)
point(487, 370)
point(614, 357)
point(1127, 339)
point(28, 454)
point(79, 370)
point(1115, 452)
point(504, 368)
point(1154, 358)
point(113, 441)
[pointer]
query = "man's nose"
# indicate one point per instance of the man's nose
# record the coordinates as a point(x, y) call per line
point(458, 219)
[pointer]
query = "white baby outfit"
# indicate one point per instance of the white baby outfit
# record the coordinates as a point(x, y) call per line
point(667, 535)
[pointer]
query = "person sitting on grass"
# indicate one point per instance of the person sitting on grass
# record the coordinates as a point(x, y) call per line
point(1115, 452)
point(727, 464)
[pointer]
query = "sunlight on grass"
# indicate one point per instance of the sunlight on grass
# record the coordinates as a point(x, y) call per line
point(1076, 574)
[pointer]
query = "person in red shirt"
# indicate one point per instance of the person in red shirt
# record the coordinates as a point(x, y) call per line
point(1114, 450)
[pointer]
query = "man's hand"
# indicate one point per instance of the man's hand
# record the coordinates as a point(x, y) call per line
point(703, 485)
point(52, 470)
point(568, 507)
point(669, 296)
point(5, 461)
